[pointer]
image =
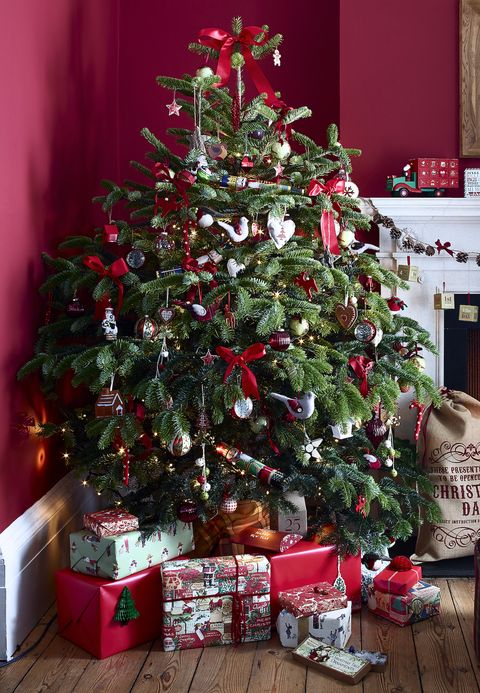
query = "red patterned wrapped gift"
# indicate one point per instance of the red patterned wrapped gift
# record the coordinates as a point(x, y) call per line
point(398, 577)
point(215, 601)
point(108, 523)
point(306, 563)
point(312, 599)
point(86, 606)
point(421, 601)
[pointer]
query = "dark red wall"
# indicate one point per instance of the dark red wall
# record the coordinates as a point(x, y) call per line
point(79, 80)
point(399, 86)
point(58, 136)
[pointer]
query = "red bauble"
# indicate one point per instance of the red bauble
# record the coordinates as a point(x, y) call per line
point(187, 511)
point(375, 430)
point(280, 341)
point(146, 328)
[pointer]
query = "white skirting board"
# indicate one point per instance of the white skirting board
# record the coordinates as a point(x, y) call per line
point(32, 548)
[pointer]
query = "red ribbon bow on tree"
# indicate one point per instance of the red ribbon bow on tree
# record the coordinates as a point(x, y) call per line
point(116, 270)
point(444, 246)
point(181, 181)
point(224, 42)
point(327, 222)
point(335, 185)
point(252, 353)
point(361, 366)
point(189, 264)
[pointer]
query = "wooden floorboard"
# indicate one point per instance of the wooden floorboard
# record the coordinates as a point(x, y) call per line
point(442, 657)
point(434, 656)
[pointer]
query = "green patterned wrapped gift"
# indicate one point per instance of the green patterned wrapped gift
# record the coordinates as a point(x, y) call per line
point(124, 554)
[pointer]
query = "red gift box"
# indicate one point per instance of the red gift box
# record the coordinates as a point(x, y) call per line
point(306, 563)
point(312, 599)
point(86, 606)
point(398, 577)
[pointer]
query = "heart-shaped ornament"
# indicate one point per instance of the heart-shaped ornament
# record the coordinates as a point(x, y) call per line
point(166, 315)
point(234, 267)
point(280, 230)
point(346, 315)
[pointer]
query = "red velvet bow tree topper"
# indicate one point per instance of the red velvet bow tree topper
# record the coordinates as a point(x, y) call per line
point(116, 270)
point(361, 366)
point(252, 353)
point(224, 42)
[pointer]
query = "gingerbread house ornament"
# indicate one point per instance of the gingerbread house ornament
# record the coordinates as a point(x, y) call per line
point(109, 403)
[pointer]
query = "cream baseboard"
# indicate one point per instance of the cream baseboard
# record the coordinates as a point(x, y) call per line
point(32, 548)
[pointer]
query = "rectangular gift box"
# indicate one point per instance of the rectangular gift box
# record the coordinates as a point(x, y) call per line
point(422, 601)
point(306, 563)
point(337, 663)
point(86, 607)
point(312, 599)
point(125, 554)
point(107, 523)
point(367, 578)
point(215, 601)
point(331, 627)
point(395, 581)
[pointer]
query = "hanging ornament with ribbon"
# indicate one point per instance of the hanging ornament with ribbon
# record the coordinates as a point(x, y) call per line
point(252, 353)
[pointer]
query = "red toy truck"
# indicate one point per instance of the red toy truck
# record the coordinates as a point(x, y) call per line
point(428, 176)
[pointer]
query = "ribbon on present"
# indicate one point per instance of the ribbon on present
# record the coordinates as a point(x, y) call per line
point(361, 366)
point(224, 43)
point(252, 353)
point(116, 270)
point(444, 246)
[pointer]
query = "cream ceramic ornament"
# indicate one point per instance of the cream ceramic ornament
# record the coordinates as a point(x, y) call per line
point(280, 230)
point(281, 150)
point(237, 233)
point(234, 267)
point(299, 326)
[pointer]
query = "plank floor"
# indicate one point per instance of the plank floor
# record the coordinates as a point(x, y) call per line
point(435, 656)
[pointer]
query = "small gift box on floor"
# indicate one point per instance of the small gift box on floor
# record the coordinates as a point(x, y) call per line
point(107, 523)
point(331, 627)
point(303, 564)
point(104, 618)
point(336, 663)
point(422, 601)
point(215, 601)
point(398, 577)
point(120, 555)
point(368, 574)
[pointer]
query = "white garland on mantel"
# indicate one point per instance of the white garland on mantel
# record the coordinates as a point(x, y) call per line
point(408, 242)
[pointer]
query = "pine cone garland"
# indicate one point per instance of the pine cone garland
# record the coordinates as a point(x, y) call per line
point(408, 243)
point(419, 248)
point(461, 257)
point(395, 234)
point(429, 250)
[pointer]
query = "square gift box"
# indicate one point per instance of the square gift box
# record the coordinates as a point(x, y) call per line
point(215, 601)
point(398, 577)
point(107, 523)
point(117, 556)
point(86, 606)
point(306, 563)
point(312, 599)
point(422, 601)
point(367, 578)
point(331, 627)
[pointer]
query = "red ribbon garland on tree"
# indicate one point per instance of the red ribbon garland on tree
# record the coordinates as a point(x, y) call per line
point(116, 270)
point(361, 366)
point(327, 221)
point(252, 353)
point(224, 42)
point(181, 181)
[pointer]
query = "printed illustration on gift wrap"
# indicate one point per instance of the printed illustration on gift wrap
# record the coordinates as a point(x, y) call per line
point(331, 627)
point(215, 601)
point(337, 663)
point(421, 602)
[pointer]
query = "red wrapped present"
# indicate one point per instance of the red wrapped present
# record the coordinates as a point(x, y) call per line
point(398, 577)
point(86, 607)
point(312, 599)
point(215, 601)
point(108, 523)
point(269, 539)
point(308, 562)
point(420, 602)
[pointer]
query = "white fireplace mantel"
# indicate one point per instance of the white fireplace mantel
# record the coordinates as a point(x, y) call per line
point(449, 219)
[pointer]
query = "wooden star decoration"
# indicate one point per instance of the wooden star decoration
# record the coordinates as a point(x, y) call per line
point(173, 108)
point(306, 282)
point(209, 358)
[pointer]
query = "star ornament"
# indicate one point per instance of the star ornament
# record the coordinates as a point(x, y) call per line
point(278, 169)
point(173, 108)
point(209, 358)
point(310, 449)
point(307, 283)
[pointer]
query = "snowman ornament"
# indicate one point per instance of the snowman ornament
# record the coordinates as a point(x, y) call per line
point(109, 325)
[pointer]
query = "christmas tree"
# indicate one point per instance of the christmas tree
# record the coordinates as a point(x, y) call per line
point(229, 325)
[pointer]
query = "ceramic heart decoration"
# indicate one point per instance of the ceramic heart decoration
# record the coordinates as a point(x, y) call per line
point(346, 315)
point(234, 267)
point(166, 315)
point(280, 230)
